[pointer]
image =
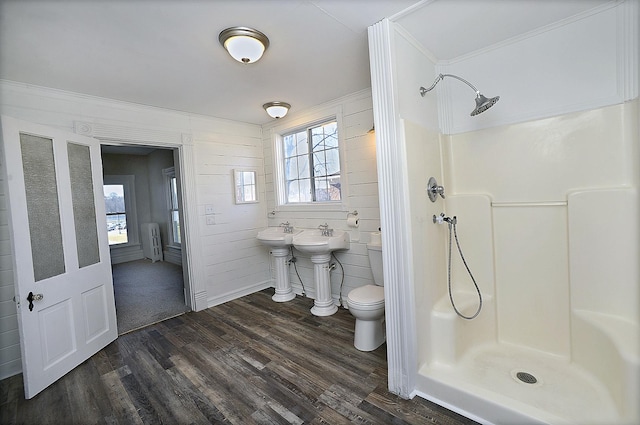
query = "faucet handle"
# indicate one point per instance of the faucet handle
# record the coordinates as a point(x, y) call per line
point(434, 189)
point(287, 228)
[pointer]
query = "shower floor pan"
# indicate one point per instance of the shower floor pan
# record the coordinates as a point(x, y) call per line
point(507, 384)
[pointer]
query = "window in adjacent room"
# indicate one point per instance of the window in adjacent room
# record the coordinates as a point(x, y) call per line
point(120, 207)
point(171, 188)
point(116, 213)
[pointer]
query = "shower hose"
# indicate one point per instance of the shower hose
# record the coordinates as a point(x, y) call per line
point(452, 229)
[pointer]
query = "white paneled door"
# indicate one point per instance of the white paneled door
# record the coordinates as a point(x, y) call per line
point(64, 289)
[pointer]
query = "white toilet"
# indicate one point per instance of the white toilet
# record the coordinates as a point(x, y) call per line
point(366, 303)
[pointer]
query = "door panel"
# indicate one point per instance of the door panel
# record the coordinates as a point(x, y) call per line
point(58, 338)
point(60, 249)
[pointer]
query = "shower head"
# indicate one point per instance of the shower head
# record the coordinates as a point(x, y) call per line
point(482, 103)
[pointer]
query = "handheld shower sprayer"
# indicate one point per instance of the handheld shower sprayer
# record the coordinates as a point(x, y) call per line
point(451, 222)
point(482, 103)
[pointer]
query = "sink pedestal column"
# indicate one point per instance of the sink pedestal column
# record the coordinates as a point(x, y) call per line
point(284, 291)
point(323, 304)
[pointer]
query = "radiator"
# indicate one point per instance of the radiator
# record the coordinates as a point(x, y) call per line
point(151, 243)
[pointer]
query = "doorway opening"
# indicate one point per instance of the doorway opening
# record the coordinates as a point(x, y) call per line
point(143, 206)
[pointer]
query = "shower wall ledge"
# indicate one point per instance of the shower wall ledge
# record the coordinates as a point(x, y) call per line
point(609, 348)
point(623, 334)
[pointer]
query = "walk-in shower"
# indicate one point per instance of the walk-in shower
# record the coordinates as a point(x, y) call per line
point(482, 103)
point(546, 189)
point(557, 338)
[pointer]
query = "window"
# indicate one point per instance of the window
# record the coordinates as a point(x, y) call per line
point(311, 158)
point(119, 201)
point(173, 206)
point(116, 213)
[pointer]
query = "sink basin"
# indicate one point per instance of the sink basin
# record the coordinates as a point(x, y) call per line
point(275, 237)
point(312, 242)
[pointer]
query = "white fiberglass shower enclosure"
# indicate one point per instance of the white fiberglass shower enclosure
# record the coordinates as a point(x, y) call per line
point(545, 189)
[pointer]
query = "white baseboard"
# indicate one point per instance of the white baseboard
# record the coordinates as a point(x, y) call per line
point(10, 369)
point(229, 296)
point(125, 256)
point(173, 256)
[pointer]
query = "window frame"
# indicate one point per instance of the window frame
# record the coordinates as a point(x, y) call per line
point(304, 123)
point(238, 181)
point(128, 184)
point(169, 174)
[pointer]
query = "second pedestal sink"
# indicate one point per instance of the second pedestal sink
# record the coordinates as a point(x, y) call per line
point(280, 242)
point(320, 246)
point(314, 242)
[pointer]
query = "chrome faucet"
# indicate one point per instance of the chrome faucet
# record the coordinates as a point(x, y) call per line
point(434, 189)
point(287, 228)
point(325, 230)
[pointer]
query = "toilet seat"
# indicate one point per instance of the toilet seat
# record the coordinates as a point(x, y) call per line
point(367, 296)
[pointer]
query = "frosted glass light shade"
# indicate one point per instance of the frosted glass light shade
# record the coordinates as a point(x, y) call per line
point(244, 44)
point(276, 109)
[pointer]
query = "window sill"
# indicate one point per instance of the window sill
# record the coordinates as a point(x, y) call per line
point(124, 245)
point(338, 207)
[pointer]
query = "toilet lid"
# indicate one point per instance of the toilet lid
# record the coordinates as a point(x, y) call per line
point(367, 294)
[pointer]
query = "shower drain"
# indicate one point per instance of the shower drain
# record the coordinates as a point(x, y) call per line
point(527, 378)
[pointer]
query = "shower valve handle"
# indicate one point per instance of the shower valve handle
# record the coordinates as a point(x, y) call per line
point(433, 189)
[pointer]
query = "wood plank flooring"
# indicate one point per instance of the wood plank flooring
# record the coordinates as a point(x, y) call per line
point(249, 361)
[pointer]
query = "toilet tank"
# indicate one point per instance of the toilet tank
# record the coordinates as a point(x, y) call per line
point(375, 260)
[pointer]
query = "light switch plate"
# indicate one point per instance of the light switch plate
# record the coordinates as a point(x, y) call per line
point(211, 220)
point(208, 209)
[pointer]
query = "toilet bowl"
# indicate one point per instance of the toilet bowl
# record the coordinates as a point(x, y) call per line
point(366, 304)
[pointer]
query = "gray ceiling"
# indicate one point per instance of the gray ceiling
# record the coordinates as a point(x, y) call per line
point(166, 53)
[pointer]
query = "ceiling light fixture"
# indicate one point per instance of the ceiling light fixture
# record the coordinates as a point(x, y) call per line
point(244, 44)
point(276, 109)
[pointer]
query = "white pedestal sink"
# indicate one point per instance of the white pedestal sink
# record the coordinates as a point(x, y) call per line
point(280, 242)
point(320, 247)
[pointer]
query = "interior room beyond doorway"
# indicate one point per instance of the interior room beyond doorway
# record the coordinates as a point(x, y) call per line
point(142, 201)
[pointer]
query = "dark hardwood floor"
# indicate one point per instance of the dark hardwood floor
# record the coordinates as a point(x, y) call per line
point(249, 361)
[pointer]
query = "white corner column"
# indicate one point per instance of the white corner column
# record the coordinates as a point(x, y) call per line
point(394, 215)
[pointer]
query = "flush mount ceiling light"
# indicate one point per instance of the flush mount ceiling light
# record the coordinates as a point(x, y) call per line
point(276, 109)
point(244, 44)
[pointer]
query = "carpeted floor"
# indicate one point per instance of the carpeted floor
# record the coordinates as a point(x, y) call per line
point(147, 293)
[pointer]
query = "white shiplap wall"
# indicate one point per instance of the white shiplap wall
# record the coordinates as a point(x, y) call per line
point(226, 261)
point(234, 262)
point(359, 170)
point(10, 362)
